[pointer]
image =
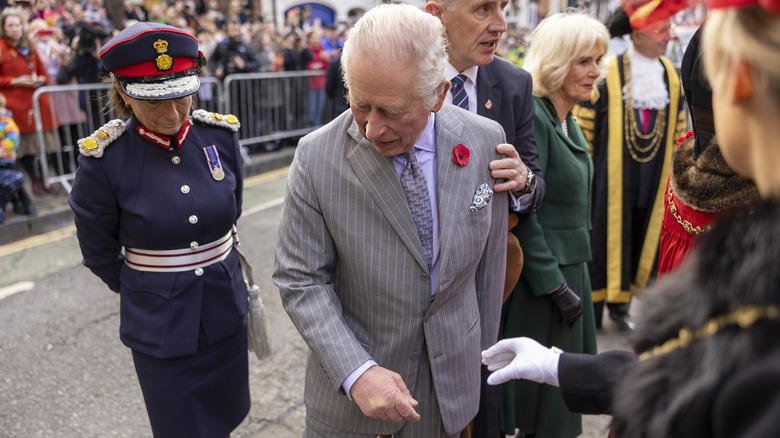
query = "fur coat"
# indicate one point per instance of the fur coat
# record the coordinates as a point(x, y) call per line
point(726, 383)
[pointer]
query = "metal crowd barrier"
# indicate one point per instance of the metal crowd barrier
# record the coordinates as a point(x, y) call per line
point(271, 107)
point(275, 106)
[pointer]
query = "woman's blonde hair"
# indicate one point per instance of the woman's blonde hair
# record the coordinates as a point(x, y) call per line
point(557, 41)
point(749, 32)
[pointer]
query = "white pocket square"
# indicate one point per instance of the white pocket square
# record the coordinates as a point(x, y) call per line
point(481, 197)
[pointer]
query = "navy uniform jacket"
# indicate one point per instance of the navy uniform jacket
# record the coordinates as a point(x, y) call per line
point(142, 195)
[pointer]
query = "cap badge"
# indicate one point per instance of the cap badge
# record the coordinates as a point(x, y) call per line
point(164, 61)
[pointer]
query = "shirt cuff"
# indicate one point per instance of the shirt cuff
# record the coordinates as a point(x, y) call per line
point(354, 375)
point(522, 203)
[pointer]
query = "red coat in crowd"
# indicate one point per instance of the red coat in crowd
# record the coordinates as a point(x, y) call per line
point(13, 64)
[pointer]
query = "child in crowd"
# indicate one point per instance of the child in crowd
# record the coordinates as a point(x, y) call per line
point(11, 180)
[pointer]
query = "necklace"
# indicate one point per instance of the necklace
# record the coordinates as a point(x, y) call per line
point(631, 129)
point(565, 127)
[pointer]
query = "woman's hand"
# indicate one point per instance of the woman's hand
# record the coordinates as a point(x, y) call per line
point(26, 81)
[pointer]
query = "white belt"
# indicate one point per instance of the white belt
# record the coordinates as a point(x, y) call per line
point(177, 260)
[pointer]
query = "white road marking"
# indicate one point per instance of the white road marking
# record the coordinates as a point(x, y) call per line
point(16, 288)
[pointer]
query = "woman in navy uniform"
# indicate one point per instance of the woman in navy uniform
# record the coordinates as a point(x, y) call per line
point(156, 199)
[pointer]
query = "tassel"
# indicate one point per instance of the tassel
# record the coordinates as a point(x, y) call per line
point(256, 325)
point(257, 333)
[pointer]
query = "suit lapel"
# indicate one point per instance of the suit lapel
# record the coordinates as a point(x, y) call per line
point(452, 209)
point(488, 93)
point(377, 174)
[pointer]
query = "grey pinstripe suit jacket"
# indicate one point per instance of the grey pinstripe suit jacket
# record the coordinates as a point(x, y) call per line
point(353, 278)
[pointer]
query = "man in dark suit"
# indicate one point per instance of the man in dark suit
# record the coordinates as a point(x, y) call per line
point(390, 261)
point(496, 88)
point(501, 91)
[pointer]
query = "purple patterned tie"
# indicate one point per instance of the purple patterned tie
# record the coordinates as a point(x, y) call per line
point(416, 191)
point(459, 96)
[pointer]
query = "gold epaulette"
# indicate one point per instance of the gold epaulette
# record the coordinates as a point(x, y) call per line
point(95, 144)
point(226, 121)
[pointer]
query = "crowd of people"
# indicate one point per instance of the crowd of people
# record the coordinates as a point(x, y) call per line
point(456, 204)
point(58, 42)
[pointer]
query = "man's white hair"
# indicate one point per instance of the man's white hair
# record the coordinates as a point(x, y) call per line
point(400, 36)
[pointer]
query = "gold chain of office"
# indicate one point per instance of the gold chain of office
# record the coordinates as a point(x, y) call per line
point(631, 128)
point(743, 317)
point(687, 226)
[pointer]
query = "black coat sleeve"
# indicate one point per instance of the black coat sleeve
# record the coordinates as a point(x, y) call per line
point(588, 381)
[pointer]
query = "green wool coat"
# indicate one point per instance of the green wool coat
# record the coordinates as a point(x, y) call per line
point(556, 248)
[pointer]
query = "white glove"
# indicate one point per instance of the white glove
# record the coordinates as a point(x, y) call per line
point(521, 358)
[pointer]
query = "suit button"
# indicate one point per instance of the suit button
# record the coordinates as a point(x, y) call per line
point(424, 277)
point(414, 356)
point(194, 245)
point(175, 160)
point(185, 189)
point(193, 219)
point(199, 272)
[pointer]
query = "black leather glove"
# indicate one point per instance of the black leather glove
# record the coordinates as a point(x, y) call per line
point(568, 303)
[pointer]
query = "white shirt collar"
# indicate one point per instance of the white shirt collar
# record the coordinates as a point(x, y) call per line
point(427, 140)
point(470, 72)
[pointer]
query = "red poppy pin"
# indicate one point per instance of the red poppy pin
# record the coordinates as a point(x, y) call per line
point(460, 154)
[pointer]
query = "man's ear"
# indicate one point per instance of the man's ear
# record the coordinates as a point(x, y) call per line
point(442, 97)
point(434, 8)
point(743, 80)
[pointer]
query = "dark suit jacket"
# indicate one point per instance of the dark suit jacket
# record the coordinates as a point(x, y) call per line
point(504, 95)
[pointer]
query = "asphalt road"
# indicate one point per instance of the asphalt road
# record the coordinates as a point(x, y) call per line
point(64, 372)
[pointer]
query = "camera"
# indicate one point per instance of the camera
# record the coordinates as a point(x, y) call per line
point(89, 32)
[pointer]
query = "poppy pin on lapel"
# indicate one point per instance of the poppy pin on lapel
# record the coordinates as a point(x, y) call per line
point(488, 104)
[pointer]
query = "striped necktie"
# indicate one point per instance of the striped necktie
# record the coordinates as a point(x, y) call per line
point(459, 96)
